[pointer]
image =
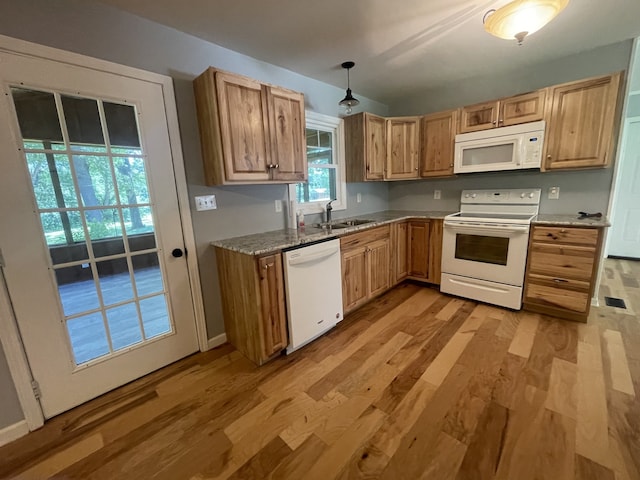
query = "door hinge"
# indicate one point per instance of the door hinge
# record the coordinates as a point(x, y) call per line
point(36, 389)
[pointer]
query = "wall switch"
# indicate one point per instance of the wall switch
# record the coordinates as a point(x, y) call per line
point(554, 193)
point(358, 197)
point(278, 206)
point(206, 202)
point(437, 194)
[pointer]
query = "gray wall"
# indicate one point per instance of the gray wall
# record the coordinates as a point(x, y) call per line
point(10, 410)
point(587, 190)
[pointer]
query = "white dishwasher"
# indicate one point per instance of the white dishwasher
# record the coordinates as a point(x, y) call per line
point(313, 279)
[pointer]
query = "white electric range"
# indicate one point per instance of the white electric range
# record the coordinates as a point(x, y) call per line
point(484, 249)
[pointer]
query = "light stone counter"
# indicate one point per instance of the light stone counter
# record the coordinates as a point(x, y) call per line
point(570, 221)
point(268, 242)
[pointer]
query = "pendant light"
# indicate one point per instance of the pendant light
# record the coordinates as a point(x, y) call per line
point(349, 100)
point(520, 18)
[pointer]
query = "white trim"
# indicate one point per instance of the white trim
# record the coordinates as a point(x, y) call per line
point(17, 361)
point(13, 432)
point(217, 341)
point(318, 120)
point(10, 335)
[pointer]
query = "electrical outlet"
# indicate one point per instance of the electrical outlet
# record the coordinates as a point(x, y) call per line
point(206, 202)
point(437, 194)
point(358, 197)
point(554, 193)
point(278, 206)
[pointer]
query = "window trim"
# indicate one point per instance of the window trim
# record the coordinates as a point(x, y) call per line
point(336, 126)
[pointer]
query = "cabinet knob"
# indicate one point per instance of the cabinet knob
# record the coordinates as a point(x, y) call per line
point(500, 121)
point(548, 157)
point(277, 165)
point(494, 122)
point(416, 169)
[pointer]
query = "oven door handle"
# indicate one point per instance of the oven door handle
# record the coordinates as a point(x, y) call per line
point(486, 228)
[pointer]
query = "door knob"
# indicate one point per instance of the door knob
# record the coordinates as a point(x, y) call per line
point(177, 252)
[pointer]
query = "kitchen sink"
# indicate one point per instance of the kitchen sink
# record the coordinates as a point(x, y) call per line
point(357, 221)
point(339, 225)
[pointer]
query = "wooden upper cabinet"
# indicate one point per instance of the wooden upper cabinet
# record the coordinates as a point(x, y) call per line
point(403, 146)
point(250, 132)
point(581, 123)
point(528, 107)
point(437, 139)
point(365, 147)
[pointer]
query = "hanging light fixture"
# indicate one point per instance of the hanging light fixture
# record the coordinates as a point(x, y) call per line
point(349, 100)
point(520, 18)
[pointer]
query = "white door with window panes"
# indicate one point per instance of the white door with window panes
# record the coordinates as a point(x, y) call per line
point(325, 157)
point(91, 231)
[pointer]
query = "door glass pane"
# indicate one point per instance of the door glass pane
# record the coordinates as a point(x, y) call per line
point(148, 276)
point(88, 337)
point(155, 318)
point(480, 248)
point(115, 281)
point(100, 194)
point(83, 124)
point(77, 289)
point(124, 326)
point(488, 155)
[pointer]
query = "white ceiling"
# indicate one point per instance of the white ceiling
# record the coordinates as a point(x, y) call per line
point(400, 47)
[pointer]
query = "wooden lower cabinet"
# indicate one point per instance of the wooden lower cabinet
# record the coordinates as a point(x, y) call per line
point(252, 290)
point(366, 266)
point(562, 268)
point(399, 253)
point(419, 249)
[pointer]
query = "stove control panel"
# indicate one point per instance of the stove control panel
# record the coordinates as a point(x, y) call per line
point(516, 196)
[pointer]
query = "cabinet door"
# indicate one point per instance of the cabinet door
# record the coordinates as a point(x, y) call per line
point(528, 107)
point(481, 116)
point(287, 128)
point(403, 145)
point(580, 129)
point(273, 328)
point(354, 278)
point(437, 140)
point(375, 129)
point(399, 251)
point(435, 251)
point(419, 248)
point(244, 128)
point(379, 267)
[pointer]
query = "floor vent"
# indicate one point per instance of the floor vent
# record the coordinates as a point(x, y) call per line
point(615, 302)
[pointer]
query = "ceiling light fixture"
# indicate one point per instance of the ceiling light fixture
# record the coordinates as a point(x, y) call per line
point(349, 100)
point(520, 18)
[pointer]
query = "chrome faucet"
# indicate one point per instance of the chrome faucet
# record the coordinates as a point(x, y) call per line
point(328, 209)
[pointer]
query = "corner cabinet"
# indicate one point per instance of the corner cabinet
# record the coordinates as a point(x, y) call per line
point(561, 272)
point(580, 129)
point(366, 266)
point(252, 290)
point(437, 141)
point(528, 107)
point(250, 132)
point(365, 147)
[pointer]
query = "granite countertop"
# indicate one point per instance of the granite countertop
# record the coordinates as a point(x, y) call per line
point(267, 242)
point(570, 220)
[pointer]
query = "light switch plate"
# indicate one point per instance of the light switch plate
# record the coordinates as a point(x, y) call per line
point(437, 194)
point(358, 197)
point(554, 193)
point(278, 206)
point(205, 202)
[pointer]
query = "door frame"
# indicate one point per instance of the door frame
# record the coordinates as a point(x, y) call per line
point(9, 331)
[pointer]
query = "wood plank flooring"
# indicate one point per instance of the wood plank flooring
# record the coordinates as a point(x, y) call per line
point(414, 385)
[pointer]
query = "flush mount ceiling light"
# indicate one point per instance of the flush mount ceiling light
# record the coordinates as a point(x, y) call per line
point(520, 18)
point(349, 100)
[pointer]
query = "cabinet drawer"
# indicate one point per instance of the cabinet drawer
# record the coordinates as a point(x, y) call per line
point(561, 283)
point(551, 296)
point(359, 239)
point(575, 236)
point(562, 261)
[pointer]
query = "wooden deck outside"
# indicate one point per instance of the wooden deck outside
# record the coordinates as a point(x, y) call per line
point(414, 385)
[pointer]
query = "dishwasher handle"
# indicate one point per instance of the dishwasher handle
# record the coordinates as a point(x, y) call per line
point(321, 255)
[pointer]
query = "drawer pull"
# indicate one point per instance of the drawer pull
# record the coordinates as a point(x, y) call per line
point(552, 236)
point(560, 280)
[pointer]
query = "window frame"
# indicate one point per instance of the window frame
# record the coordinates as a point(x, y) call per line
point(334, 125)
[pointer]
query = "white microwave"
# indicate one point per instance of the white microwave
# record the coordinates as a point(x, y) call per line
point(504, 148)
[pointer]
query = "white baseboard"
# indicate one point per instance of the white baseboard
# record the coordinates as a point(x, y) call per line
point(217, 341)
point(13, 432)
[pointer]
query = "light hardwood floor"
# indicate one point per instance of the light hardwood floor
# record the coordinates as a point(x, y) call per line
point(414, 385)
